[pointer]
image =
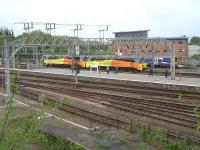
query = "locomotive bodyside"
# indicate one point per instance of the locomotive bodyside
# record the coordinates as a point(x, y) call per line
point(100, 63)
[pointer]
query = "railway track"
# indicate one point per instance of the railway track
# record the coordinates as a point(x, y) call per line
point(96, 117)
point(91, 115)
point(118, 98)
point(113, 87)
point(179, 114)
point(149, 107)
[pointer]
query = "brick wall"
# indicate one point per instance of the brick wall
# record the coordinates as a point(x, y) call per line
point(144, 50)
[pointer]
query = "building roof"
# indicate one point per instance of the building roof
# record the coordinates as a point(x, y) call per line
point(132, 31)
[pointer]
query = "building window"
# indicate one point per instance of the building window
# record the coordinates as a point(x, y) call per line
point(165, 50)
point(133, 53)
point(180, 42)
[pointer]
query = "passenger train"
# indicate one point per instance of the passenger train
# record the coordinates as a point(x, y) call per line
point(162, 62)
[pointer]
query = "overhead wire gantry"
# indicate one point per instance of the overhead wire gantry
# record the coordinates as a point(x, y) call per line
point(42, 43)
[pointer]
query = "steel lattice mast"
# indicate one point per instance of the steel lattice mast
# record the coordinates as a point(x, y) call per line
point(5, 34)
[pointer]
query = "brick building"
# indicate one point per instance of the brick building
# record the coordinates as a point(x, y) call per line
point(129, 48)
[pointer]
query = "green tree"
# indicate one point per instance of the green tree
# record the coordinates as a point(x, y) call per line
point(195, 40)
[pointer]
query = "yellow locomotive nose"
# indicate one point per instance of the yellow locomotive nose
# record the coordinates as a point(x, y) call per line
point(139, 67)
point(144, 66)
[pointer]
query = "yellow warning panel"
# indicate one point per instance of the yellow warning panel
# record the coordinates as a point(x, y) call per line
point(59, 61)
point(98, 63)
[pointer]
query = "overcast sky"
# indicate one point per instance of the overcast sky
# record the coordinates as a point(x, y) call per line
point(165, 18)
